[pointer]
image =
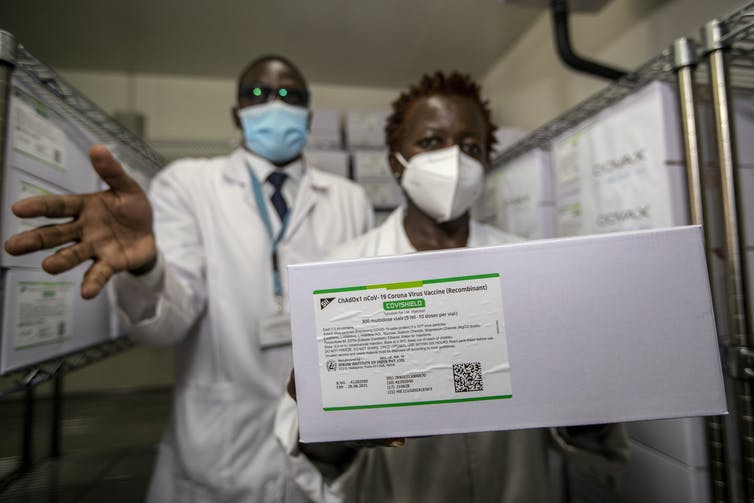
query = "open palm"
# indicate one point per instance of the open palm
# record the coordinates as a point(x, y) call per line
point(113, 228)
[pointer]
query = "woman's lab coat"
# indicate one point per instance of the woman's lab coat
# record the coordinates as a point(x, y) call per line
point(218, 285)
point(500, 467)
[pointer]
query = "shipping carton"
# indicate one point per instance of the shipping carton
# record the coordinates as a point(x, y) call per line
point(44, 317)
point(583, 330)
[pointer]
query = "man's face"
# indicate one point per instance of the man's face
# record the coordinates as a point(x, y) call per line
point(271, 80)
point(272, 75)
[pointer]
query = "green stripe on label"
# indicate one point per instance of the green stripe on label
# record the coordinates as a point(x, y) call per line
point(393, 305)
point(407, 284)
point(461, 278)
point(411, 404)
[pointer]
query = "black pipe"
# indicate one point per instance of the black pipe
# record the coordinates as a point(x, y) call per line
point(563, 44)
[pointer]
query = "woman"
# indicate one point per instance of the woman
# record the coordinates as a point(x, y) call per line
point(440, 137)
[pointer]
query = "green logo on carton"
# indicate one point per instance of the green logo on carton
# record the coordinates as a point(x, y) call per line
point(403, 304)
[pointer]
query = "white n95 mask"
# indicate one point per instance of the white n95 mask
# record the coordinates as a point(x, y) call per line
point(442, 183)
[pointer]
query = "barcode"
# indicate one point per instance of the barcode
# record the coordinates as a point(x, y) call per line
point(467, 377)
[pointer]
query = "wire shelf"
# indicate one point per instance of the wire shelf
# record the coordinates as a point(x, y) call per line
point(39, 373)
point(739, 25)
point(135, 152)
point(74, 105)
point(658, 68)
point(739, 39)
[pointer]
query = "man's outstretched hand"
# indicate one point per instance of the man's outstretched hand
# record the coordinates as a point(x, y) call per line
point(113, 228)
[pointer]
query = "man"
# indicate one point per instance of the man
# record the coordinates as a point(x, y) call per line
point(208, 273)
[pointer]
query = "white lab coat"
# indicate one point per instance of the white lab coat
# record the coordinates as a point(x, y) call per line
point(500, 467)
point(219, 444)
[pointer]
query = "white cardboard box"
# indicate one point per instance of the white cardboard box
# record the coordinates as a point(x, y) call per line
point(44, 317)
point(384, 194)
point(370, 165)
point(325, 132)
point(743, 122)
point(17, 185)
point(681, 439)
point(622, 169)
point(525, 196)
point(47, 145)
point(584, 330)
point(365, 128)
point(334, 161)
point(650, 477)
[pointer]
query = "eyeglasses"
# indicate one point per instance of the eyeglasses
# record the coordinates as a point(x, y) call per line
point(257, 94)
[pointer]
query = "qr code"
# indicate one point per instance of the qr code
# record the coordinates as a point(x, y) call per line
point(467, 377)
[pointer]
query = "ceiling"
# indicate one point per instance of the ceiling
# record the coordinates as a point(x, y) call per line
point(385, 43)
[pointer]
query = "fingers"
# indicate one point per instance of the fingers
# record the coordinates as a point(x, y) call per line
point(67, 258)
point(378, 442)
point(42, 238)
point(292, 385)
point(68, 205)
point(110, 170)
point(95, 279)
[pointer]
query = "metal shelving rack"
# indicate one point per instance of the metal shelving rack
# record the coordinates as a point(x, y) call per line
point(658, 68)
point(709, 69)
point(16, 62)
point(727, 54)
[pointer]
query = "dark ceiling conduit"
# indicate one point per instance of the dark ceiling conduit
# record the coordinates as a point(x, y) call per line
point(560, 14)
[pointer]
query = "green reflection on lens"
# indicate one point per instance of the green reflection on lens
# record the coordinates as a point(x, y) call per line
point(283, 93)
point(257, 91)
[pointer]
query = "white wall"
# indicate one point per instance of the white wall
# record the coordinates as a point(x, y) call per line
point(529, 86)
point(198, 108)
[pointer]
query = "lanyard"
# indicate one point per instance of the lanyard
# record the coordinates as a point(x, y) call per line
point(274, 240)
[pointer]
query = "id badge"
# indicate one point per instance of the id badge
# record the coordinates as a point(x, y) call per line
point(275, 330)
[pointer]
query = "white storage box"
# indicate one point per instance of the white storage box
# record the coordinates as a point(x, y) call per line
point(743, 122)
point(384, 195)
point(623, 169)
point(681, 439)
point(371, 165)
point(546, 333)
point(20, 185)
point(325, 132)
point(44, 316)
point(45, 144)
point(651, 477)
point(334, 161)
point(365, 128)
point(525, 198)
point(746, 186)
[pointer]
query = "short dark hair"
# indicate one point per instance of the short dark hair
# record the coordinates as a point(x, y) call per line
point(452, 84)
point(266, 59)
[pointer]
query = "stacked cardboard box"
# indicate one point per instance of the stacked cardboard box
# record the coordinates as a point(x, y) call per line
point(43, 315)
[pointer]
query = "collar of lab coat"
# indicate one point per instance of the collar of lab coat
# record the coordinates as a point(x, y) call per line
point(235, 170)
point(261, 166)
point(313, 185)
point(400, 243)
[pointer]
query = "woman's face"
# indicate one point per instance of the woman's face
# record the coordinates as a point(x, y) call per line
point(437, 122)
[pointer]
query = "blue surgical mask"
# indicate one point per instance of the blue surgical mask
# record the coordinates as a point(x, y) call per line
point(275, 130)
